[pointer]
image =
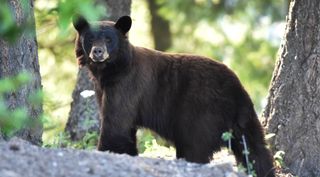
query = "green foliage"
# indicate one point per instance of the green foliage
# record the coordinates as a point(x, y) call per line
point(191, 10)
point(8, 28)
point(151, 145)
point(12, 120)
point(250, 169)
point(11, 84)
point(62, 140)
point(144, 140)
point(241, 168)
point(156, 150)
point(36, 98)
point(227, 136)
point(68, 8)
point(278, 157)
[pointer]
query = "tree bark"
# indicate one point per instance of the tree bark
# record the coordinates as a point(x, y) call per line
point(293, 109)
point(83, 116)
point(20, 56)
point(160, 27)
point(84, 113)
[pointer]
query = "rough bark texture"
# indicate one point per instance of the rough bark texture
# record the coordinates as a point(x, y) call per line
point(23, 56)
point(293, 109)
point(160, 27)
point(118, 8)
point(84, 115)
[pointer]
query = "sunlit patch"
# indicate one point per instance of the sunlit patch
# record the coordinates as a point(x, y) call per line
point(87, 93)
point(105, 56)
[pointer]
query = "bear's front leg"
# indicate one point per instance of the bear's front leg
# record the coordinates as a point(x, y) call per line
point(118, 139)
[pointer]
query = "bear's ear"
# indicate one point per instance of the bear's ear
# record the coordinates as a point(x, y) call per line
point(124, 24)
point(79, 23)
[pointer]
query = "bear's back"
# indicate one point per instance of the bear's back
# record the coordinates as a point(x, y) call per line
point(192, 71)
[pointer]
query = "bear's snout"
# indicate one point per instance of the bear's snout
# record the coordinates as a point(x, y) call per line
point(98, 54)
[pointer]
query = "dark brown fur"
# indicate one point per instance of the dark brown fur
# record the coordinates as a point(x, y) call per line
point(187, 99)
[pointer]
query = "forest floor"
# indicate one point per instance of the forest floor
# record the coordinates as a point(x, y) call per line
point(19, 158)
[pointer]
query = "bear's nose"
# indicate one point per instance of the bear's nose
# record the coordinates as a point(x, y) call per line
point(98, 51)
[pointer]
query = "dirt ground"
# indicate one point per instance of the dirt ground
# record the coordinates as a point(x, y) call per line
point(18, 158)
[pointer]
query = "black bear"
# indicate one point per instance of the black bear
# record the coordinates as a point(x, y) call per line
point(189, 100)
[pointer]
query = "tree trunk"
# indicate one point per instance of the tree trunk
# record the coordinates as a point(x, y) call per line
point(83, 116)
point(23, 56)
point(293, 109)
point(160, 27)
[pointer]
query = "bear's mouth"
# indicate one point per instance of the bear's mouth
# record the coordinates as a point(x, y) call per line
point(99, 59)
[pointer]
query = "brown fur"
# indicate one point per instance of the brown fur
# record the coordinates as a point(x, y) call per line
point(189, 100)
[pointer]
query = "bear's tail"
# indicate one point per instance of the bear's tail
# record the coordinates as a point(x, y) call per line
point(248, 132)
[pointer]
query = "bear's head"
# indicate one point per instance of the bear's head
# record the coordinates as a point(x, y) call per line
point(101, 42)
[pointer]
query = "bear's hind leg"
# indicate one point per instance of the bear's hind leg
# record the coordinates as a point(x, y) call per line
point(194, 154)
